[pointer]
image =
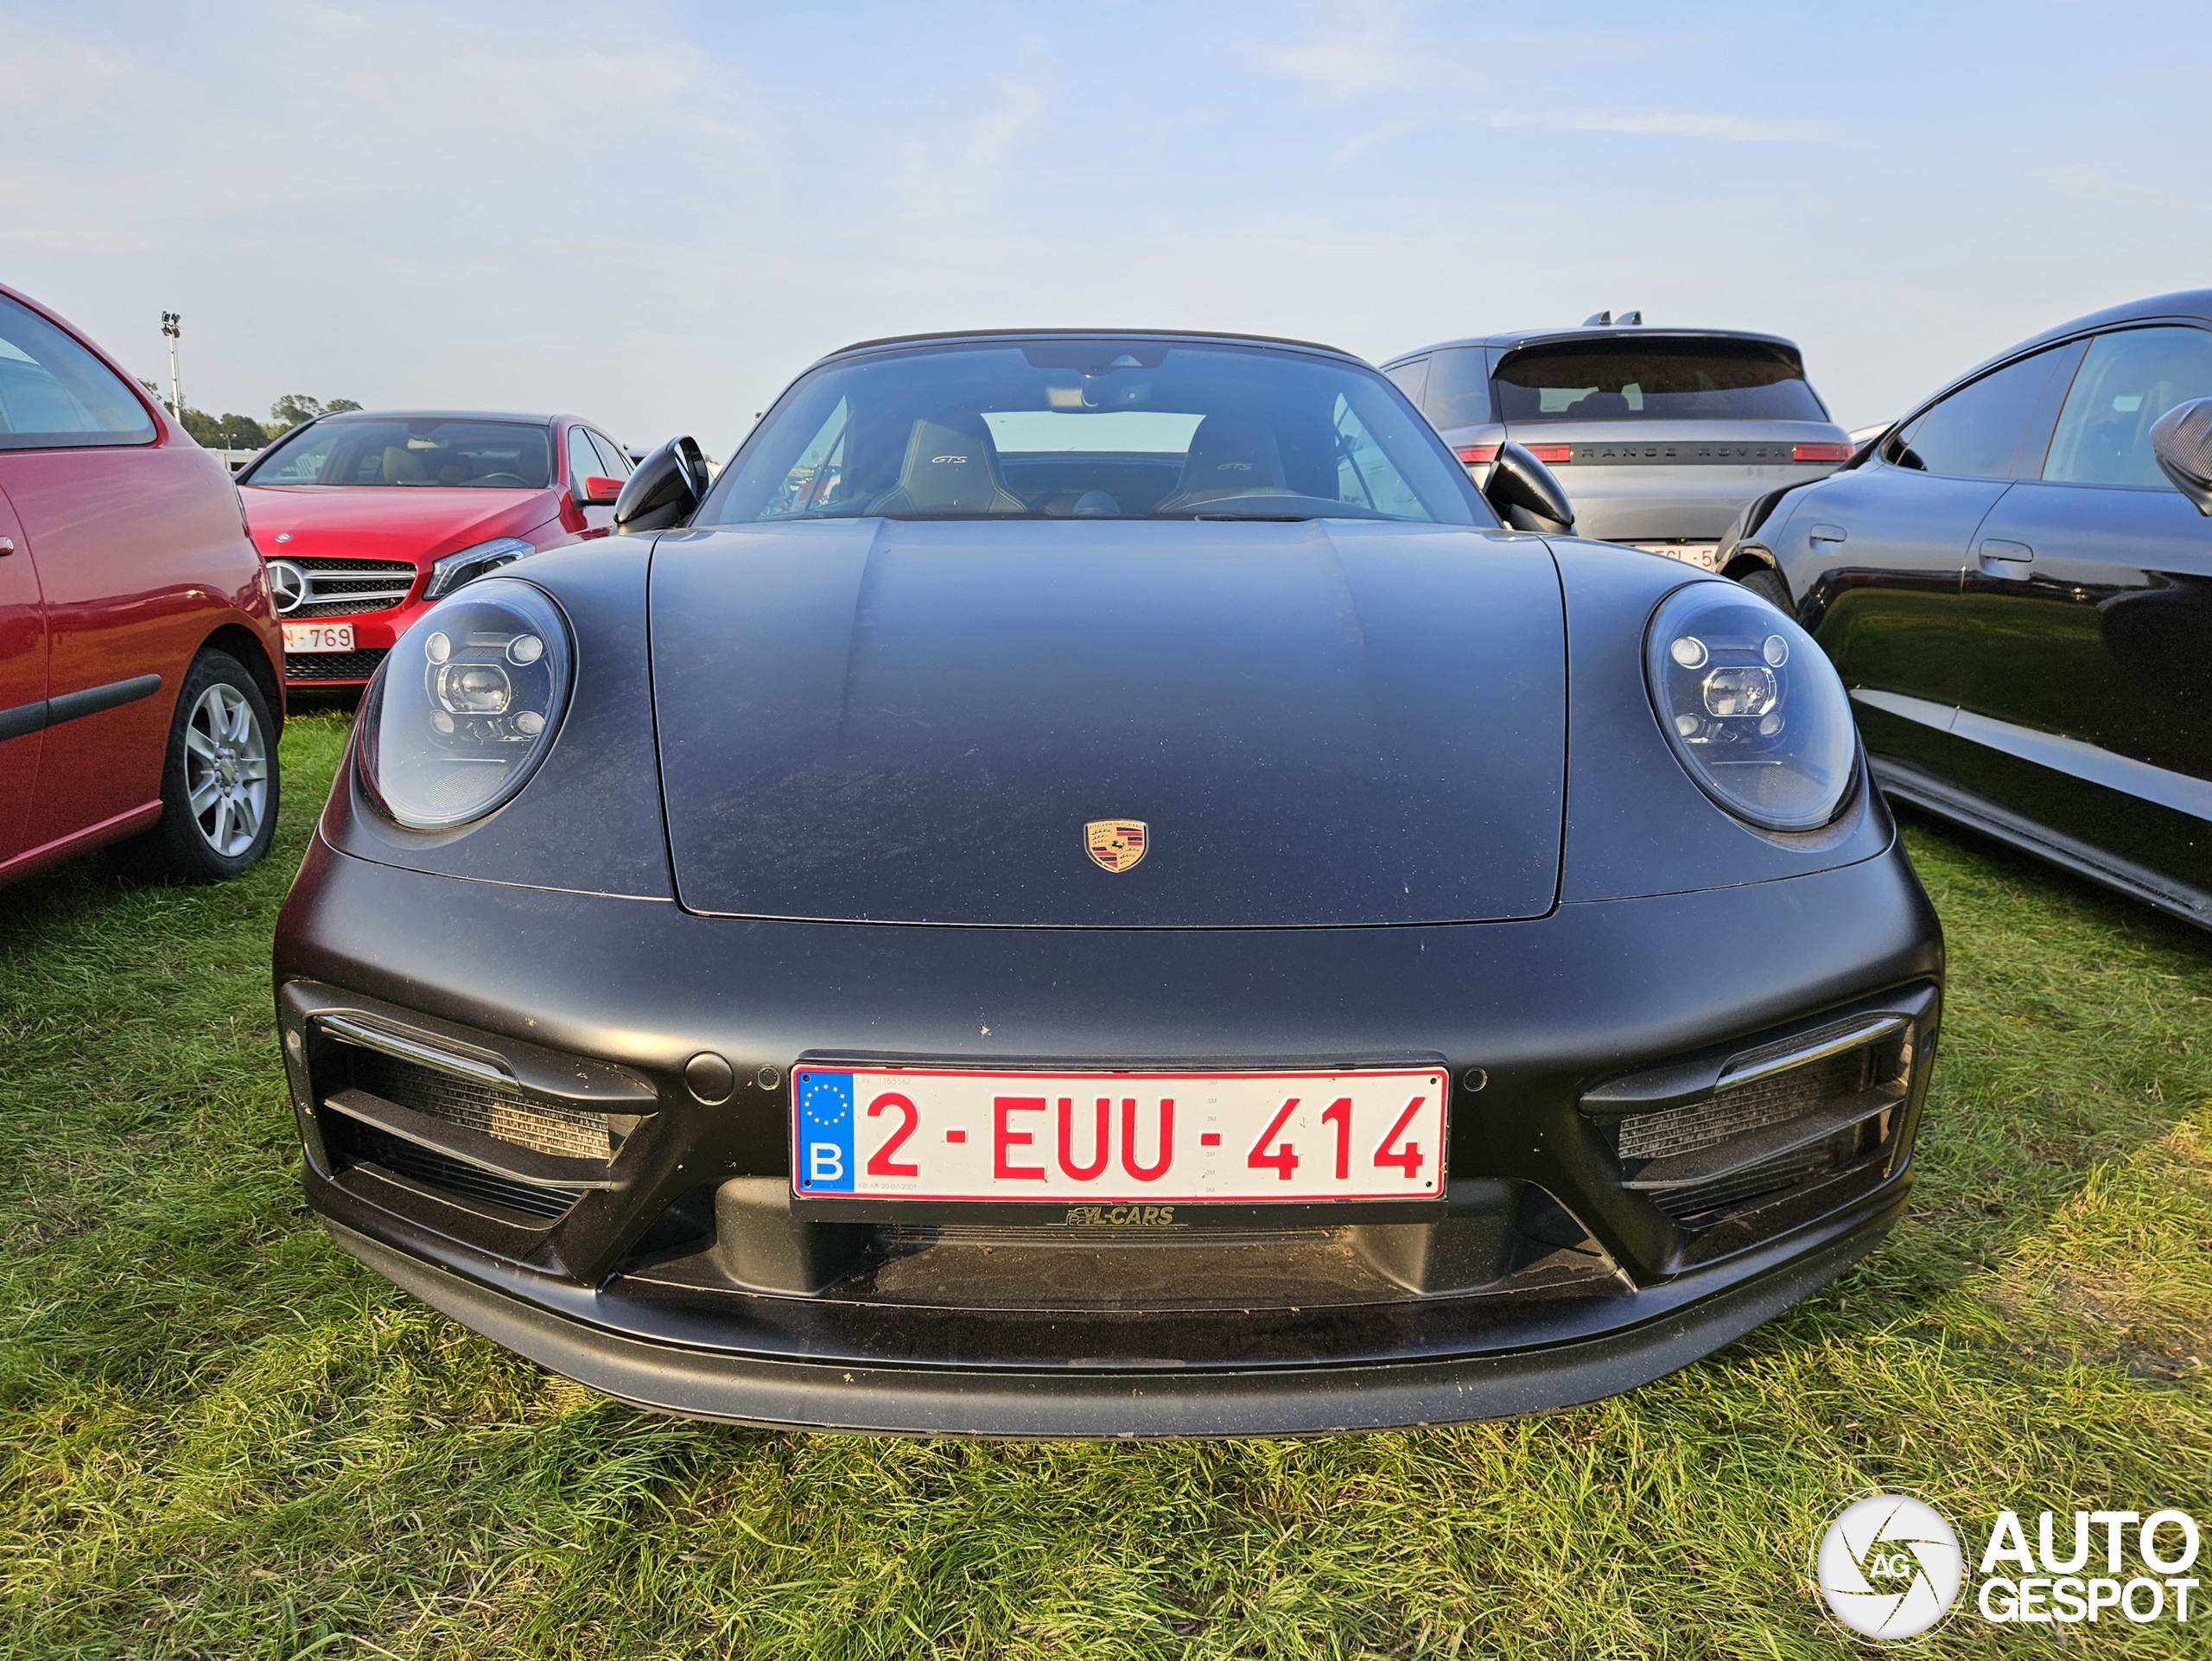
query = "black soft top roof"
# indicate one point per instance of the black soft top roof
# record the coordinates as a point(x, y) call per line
point(971, 335)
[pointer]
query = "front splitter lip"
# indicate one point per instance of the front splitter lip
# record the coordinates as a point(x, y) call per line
point(1118, 1403)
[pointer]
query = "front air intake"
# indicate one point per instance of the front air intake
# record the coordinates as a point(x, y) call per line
point(333, 665)
point(454, 1121)
point(366, 1144)
point(1738, 1110)
point(1715, 1137)
point(494, 1109)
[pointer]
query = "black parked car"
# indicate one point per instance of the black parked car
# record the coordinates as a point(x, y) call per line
point(1057, 900)
point(2020, 599)
point(1658, 435)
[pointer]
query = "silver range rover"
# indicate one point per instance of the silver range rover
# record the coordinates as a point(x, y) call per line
point(1658, 435)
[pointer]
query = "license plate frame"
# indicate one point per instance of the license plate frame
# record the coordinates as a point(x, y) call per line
point(915, 1140)
point(307, 639)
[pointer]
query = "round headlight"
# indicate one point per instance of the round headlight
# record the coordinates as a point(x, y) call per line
point(466, 705)
point(1752, 706)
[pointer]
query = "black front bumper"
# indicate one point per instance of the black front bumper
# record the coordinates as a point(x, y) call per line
point(606, 1290)
point(1716, 1308)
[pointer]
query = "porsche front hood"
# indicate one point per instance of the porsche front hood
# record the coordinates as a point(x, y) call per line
point(1317, 723)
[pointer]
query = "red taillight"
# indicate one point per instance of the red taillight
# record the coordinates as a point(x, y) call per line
point(1552, 454)
point(1820, 452)
point(1476, 455)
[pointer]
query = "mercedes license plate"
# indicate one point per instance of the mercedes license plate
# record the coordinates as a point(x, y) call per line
point(318, 637)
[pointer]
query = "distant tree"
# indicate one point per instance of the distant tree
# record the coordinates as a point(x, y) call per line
point(226, 432)
point(289, 411)
point(295, 407)
point(237, 432)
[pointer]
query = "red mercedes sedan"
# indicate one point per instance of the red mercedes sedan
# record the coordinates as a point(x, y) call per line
point(367, 518)
point(139, 694)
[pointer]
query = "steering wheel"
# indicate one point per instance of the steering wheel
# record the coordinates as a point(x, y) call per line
point(505, 481)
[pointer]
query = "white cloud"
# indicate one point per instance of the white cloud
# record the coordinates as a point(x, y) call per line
point(656, 217)
point(937, 184)
point(322, 115)
point(1727, 128)
point(2097, 184)
point(1372, 57)
point(1351, 149)
point(366, 203)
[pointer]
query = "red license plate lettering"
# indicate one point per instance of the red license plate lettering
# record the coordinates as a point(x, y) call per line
point(1113, 1138)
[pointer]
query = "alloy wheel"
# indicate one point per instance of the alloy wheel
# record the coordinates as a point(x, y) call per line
point(226, 770)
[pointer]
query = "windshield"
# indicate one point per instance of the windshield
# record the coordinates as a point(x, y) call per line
point(1094, 428)
point(423, 452)
point(1669, 380)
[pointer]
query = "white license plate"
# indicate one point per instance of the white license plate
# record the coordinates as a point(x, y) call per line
point(1700, 554)
point(1081, 1137)
point(318, 637)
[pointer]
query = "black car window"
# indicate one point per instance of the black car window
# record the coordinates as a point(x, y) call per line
point(1973, 432)
point(1075, 426)
point(1694, 378)
point(1459, 388)
point(418, 452)
point(56, 395)
point(1410, 378)
point(2128, 380)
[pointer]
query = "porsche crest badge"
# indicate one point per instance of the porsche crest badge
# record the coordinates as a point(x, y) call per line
point(1114, 845)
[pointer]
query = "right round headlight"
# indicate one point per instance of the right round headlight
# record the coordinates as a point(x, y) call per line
point(467, 705)
point(1751, 705)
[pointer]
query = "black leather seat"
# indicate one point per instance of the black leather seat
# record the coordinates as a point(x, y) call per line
point(1229, 455)
point(948, 471)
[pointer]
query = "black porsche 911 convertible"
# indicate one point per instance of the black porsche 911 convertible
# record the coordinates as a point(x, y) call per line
point(1088, 886)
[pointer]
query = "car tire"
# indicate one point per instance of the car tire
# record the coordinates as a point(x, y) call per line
point(1768, 586)
point(222, 749)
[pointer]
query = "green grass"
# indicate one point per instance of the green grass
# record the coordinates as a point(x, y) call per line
point(218, 1436)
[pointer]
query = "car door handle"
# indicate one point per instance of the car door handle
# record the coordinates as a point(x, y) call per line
point(7, 546)
point(2004, 558)
point(1828, 533)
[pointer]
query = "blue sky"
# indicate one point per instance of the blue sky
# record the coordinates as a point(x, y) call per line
point(655, 213)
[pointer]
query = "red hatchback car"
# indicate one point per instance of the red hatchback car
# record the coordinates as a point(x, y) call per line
point(365, 519)
point(139, 696)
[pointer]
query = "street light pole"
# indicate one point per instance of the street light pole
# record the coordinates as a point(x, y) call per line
point(170, 326)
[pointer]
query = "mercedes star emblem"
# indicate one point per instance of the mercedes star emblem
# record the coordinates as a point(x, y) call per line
point(287, 585)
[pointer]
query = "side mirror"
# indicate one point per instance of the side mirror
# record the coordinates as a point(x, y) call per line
point(596, 492)
point(1525, 495)
point(2181, 440)
point(666, 489)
